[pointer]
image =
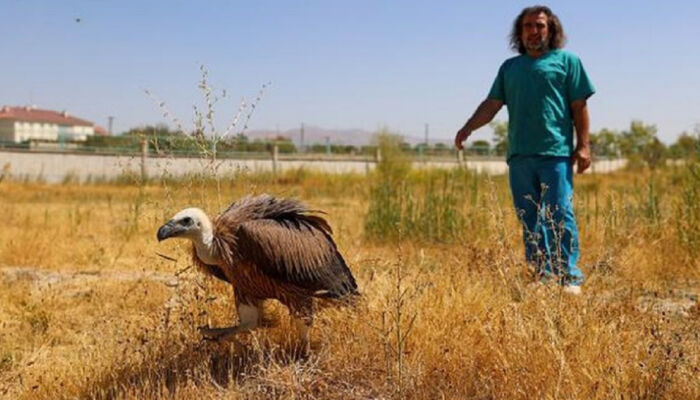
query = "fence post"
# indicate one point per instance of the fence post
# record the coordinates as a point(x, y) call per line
point(460, 157)
point(144, 156)
point(275, 158)
point(378, 155)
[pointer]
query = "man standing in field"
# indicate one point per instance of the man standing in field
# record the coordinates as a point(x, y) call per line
point(545, 90)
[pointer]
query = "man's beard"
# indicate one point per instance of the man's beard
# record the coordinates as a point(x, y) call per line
point(541, 46)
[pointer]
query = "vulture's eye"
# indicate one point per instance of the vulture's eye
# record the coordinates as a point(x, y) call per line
point(187, 221)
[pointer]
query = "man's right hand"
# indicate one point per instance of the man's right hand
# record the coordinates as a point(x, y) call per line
point(462, 135)
point(582, 158)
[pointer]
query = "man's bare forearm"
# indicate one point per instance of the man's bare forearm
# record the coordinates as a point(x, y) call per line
point(579, 111)
point(484, 114)
point(582, 153)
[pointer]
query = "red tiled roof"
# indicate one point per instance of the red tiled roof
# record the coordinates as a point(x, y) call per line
point(100, 131)
point(29, 114)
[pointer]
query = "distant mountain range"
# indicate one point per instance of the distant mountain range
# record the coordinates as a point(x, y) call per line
point(317, 135)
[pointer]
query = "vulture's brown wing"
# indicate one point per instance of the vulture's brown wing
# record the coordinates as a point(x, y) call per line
point(298, 252)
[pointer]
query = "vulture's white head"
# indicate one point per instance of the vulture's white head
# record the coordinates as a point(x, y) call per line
point(192, 224)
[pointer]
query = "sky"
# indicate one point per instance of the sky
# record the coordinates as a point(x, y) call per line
point(337, 64)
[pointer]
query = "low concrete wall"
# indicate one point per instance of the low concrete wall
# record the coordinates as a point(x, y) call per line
point(57, 167)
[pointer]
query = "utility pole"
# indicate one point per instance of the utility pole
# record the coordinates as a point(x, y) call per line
point(423, 148)
point(301, 142)
point(427, 129)
point(144, 157)
point(110, 120)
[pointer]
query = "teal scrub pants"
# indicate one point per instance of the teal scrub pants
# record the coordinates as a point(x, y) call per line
point(542, 188)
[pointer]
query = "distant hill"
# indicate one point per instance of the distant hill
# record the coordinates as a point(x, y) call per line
point(318, 135)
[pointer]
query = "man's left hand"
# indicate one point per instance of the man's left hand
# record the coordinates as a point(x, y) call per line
point(582, 158)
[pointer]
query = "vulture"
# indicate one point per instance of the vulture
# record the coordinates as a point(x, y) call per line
point(266, 248)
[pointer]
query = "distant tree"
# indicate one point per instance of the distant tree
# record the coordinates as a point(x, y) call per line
point(239, 142)
point(157, 130)
point(343, 149)
point(633, 140)
point(606, 143)
point(500, 137)
point(284, 144)
point(441, 148)
point(686, 146)
point(316, 148)
point(257, 146)
point(640, 145)
point(240, 138)
point(335, 148)
point(114, 143)
point(481, 147)
point(654, 153)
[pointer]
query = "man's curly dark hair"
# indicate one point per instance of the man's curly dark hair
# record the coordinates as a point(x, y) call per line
point(557, 38)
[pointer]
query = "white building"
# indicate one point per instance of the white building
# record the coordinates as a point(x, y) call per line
point(19, 124)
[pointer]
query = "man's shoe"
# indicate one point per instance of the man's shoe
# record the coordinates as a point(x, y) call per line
point(572, 289)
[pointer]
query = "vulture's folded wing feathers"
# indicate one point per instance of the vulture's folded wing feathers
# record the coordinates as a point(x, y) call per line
point(296, 249)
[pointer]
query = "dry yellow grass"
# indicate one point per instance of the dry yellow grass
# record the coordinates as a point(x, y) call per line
point(88, 309)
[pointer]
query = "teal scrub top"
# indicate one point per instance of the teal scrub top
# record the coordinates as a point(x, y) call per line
point(538, 93)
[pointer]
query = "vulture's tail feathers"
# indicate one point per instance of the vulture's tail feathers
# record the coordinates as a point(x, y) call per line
point(341, 282)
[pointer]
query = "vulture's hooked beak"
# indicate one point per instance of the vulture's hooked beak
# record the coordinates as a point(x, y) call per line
point(169, 230)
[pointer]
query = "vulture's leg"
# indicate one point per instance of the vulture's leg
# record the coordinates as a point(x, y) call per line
point(249, 315)
point(303, 316)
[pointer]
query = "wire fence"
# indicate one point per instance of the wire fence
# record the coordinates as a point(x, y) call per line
point(159, 147)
